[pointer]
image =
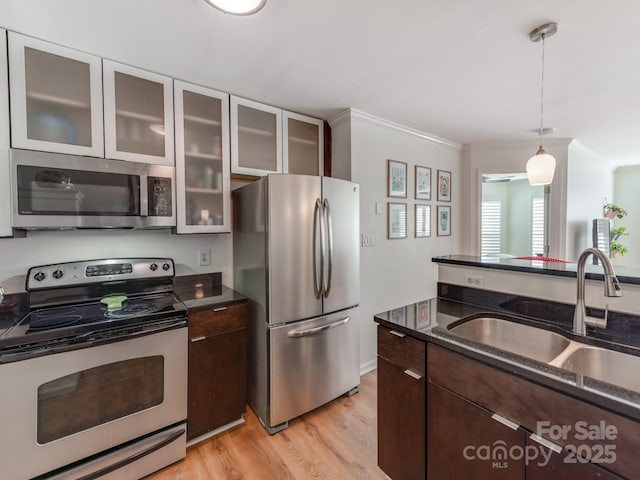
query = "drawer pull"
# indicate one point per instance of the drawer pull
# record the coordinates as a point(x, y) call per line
point(413, 374)
point(397, 334)
point(197, 339)
point(545, 443)
point(219, 309)
point(505, 421)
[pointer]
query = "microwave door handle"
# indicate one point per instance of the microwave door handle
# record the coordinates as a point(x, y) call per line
point(144, 196)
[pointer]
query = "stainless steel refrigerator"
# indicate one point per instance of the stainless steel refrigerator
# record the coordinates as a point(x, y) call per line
point(297, 258)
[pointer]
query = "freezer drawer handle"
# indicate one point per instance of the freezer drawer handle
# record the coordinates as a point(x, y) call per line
point(313, 331)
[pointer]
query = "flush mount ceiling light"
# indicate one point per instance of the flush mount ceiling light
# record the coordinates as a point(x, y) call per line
point(237, 7)
point(541, 167)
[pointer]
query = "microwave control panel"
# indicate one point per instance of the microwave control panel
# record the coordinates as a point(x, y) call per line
point(160, 204)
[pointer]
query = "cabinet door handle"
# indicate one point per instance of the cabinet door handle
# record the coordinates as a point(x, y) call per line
point(397, 334)
point(505, 421)
point(413, 374)
point(197, 339)
point(219, 309)
point(546, 443)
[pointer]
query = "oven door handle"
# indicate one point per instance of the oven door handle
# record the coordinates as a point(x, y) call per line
point(135, 457)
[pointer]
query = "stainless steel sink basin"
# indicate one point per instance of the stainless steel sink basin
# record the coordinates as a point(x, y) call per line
point(530, 342)
point(606, 365)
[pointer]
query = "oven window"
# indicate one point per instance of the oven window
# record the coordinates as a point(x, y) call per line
point(92, 397)
point(59, 191)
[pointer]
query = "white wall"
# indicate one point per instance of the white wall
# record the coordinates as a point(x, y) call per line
point(627, 196)
point(395, 272)
point(589, 182)
point(512, 158)
point(41, 248)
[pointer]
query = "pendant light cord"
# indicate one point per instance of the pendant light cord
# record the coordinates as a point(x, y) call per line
point(542, 91)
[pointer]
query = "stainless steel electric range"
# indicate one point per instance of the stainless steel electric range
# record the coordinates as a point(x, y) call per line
point(94, 377)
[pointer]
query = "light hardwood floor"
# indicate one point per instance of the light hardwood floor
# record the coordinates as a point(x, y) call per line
point(334, 442)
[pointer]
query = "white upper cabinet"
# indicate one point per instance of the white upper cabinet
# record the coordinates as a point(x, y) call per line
point(202, 159)
point(138, 112)
point(303, 144)
point(56, 98)
point(256, 138)
point(5, 186)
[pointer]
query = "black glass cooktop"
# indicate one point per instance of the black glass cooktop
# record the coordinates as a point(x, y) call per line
point(61, 321)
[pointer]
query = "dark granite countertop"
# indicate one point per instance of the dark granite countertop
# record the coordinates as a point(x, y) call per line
point(624, 274)
point(203, 291)
point(428, 321)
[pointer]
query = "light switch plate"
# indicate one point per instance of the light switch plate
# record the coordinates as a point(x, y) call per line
point(368, 239)
point(379, 208)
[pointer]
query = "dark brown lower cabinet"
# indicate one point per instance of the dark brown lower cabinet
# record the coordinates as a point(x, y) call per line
point(217, 368)
point(401, 422)
point(464, 441)
point(401, 405)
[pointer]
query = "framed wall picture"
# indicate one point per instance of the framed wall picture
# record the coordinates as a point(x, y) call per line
point(423, 221)
point(444, 220)
point(444, 186)
point(396, 179)
point(396, 220)
point(423, 183)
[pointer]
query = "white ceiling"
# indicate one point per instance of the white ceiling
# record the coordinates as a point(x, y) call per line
point(463, 70)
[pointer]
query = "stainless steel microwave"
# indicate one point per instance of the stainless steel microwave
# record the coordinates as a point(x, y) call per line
point(54, 191)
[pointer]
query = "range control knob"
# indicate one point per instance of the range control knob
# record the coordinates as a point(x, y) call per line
point(39, 276)
point(57, 274)
point(153, 267)
point(165, 266)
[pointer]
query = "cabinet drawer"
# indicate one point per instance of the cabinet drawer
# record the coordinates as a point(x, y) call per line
point(527, 404)
point(217, 320)
point(401, 349)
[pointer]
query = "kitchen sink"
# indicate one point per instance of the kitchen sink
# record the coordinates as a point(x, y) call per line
point(531, 342)
point(606, 365)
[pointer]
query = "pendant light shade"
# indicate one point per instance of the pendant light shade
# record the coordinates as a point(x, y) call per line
point(237, 7)
point(541, 167)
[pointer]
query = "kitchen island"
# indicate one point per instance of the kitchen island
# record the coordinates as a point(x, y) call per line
point(470, 395)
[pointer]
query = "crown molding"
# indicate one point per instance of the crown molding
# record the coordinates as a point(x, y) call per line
point(353, 113)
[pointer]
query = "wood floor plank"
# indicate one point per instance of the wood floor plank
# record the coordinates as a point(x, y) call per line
point(335, 441)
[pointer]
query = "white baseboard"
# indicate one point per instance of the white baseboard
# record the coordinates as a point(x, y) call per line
point(368, 366)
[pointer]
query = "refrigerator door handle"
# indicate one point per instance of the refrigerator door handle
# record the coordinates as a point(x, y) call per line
point(326, 211)
point(313, 331)
point(317, 220)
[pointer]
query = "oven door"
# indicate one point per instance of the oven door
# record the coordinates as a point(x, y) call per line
point(66, 191)
point(61, 408)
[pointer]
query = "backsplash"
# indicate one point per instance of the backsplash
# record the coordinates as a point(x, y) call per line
point(621, 327)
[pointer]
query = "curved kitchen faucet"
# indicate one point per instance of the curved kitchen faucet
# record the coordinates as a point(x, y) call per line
point(611, 289)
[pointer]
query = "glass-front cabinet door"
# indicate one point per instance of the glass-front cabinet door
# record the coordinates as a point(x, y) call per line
point(5, 184)
point(256, 138)
point(303, 144)
point(56, 98)
point(138, 112)
point(202, 159)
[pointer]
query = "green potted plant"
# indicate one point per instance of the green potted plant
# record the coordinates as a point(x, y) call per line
point(616, 248)
point(612, 211)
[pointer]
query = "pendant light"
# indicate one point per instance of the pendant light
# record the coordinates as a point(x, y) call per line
point(541, 167)
point(237, 7)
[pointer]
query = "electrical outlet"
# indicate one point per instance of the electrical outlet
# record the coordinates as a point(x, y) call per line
point(204, 257)
point(368, 239)
point(473, 280)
